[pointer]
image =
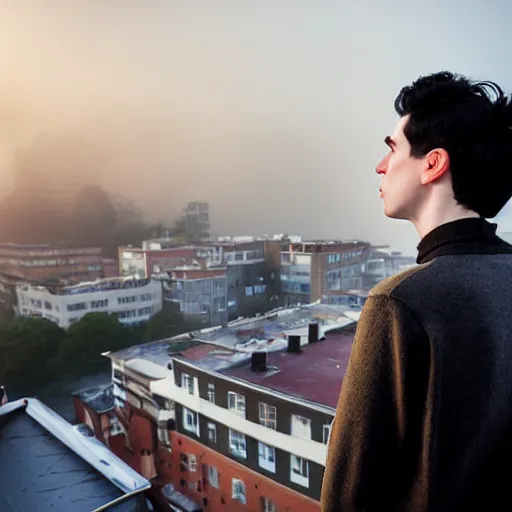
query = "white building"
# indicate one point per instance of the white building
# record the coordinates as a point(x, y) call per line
point(132, 300)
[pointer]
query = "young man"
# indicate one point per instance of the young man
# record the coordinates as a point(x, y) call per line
point(424, 419)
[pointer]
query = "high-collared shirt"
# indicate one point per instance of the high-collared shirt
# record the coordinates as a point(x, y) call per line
point(465, 236)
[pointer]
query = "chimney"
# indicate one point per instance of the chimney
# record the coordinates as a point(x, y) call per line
point(313, 333)
point(259, 362)
point(294, 344)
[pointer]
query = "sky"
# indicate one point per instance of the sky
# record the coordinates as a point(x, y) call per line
point(273, 111)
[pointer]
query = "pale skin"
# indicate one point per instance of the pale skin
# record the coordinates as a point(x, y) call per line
point(418, 189)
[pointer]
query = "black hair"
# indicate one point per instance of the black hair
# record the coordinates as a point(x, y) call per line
point(472, 121)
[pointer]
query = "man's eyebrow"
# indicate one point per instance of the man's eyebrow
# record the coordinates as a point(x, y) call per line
point(389, 142)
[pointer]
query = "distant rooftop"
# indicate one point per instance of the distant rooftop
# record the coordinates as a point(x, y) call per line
point(315, 374)
point(46, 464)
point(104, 284)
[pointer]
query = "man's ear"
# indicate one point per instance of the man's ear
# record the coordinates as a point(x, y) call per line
point(437, 164)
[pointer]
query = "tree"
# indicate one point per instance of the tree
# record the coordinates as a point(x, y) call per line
point(28, 348)
point(88, 338)
point(167, 323)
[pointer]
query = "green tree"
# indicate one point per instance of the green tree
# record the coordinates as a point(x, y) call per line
point(88, 338)
point(167, 323)
point(29, 347)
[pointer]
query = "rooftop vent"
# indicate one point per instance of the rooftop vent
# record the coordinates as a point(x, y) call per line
point(259, 362)
point(294, 344)
point(313, 333)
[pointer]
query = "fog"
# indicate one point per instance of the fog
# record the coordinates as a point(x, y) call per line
point(273, 111)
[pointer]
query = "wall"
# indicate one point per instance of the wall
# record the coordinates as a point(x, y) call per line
point(55, 307)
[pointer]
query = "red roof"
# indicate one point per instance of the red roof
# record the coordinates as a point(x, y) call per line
point(315, 374)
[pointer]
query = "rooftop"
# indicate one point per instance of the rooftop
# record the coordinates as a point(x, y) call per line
point(104, 284)
point(48, 465)
point(315, 374)
point(99, 398)
point(223, 346)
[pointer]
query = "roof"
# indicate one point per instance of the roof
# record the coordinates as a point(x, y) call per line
point(159, 352)
point(99, 398)
point(315, 374)
point(48, 465)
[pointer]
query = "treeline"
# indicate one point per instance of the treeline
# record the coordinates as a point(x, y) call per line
point(35, 352)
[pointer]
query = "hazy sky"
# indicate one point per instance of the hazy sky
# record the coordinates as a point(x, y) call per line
point(274, 111)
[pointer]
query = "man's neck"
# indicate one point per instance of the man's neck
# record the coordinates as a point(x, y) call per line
point(426, 223)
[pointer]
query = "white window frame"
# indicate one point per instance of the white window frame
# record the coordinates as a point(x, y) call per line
point(238, 490)
point(192, 463)
point(237, 444)
point(236, 403)
point(211, 392)
point(301, 427)
point(265, 412)
point(187, 382)
point(212, 427)
point(267, 457)
point(190, 426)
point(212, 476)
point(326, 431)
point(299, 471)
point(267, 505)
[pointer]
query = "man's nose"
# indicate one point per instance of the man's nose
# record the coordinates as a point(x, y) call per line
point(381, 167)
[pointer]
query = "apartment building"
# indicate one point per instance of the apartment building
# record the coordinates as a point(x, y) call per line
point(200, 292)
point(311, 270)
point(45, 262)
point(132, 300)
point(242, 428)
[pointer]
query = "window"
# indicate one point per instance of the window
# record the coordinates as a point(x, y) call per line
point(99, 303)
point(267, 457)
point(77, 306)
point(237, 444)
point(239, 256)
point(211, 393)
point(299, 470)
point(267, 416)
point(146, 311)
point(326, 432)
point(187, 382)
point(239, 491)
point(212, 433)
point(145, 296)
point(236, 403)
point(190, 421)
point(192, 463)
point(260, 288)
point(127, 300)
point(267, 505)
point(301, 427)
point(47, 305)
point(211, 475)
point(131, 313)
point(248, 291)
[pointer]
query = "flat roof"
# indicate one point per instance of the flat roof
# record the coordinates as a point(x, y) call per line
point(315, 374)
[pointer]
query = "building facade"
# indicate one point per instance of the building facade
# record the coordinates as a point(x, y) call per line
point(197, 220)
point(384, 263)
point(230, 430)
point(63, 264)
point(311, 270)
point(201, 293)
point(131, 300)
